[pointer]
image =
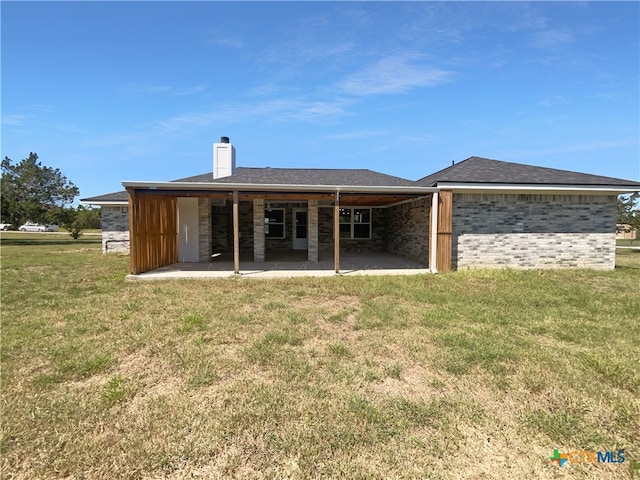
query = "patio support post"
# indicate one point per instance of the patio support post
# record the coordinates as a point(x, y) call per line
point(336, 232)
point(133, 232)
point(433, 231)
point(445, 217)
point(236, 235)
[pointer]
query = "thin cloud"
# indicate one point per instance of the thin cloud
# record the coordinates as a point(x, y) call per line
point(393, 74)
point(14, 120)
point(356, 134)
point(275, 110)
point(235, 43)
point(551, 39)
point(218, 38)
point(574, 148)
point(181, 124)
point(148, 89)
point(40, 108)
point(553, 101)
point(590, 146)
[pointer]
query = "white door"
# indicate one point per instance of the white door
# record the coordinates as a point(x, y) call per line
point(300, 229)
point(188, 230)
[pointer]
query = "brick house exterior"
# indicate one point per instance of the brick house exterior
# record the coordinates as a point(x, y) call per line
point(502, 215)
point(533, 231)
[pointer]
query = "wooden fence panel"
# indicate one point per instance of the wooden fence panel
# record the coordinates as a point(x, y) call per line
point(153, 230)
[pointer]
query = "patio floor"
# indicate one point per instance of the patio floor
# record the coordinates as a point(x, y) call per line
point(289, 264)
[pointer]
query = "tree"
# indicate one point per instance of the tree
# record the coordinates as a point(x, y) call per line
point(32, 191)
point(629, 209)
point(76, 220)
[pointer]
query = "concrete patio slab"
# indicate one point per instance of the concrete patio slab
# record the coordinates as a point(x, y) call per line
point(289, 266)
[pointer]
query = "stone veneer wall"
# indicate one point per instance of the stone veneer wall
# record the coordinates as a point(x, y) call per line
point(408, 226)
point(115, 228)
point(533, 231)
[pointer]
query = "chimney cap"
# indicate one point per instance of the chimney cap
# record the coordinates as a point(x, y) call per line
point(224, 139)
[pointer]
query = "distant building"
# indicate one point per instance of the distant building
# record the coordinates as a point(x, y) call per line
point(625, 231)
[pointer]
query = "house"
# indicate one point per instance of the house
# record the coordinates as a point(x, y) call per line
point(478, 213)
point(520, 216)
point(624, 231)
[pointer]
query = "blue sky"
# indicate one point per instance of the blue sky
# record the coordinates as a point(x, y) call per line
point(112, 91)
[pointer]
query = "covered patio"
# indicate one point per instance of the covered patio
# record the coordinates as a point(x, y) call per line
point(164, 217)
point(287, 266)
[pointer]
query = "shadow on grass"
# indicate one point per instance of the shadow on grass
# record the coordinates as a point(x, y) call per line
point(49, 241)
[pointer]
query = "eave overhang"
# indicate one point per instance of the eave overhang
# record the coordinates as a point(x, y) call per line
point(535, 188)
point(260, 187)
point(105, 203)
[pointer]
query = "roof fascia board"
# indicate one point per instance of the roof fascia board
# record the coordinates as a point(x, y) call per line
point(278, 187)
point(537, 188)
point(105, 203)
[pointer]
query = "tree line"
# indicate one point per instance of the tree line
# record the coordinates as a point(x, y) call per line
point(33, 192)
point(629, 210)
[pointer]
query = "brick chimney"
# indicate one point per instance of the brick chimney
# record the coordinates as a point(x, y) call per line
point(224, 159)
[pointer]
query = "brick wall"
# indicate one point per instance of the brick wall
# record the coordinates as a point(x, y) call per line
point(533, 231)
point(284, 244)
point(313, 253)
point(115, 228)
point(245, 215)
point(377, 242)
point(258, 231)
point(204, 230)
point(221, 228)
point(408, 230)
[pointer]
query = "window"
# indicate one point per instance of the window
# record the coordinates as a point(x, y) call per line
point(355, 223)
point(274, 223)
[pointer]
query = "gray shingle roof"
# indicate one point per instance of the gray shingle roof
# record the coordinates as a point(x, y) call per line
point(314, 176)
point(122, 196)
point(285, 176)
point(484, 170)
point(471, 170)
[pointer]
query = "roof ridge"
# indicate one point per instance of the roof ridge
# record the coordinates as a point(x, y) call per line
point(306, 168)
point(449, 167)
point(487, 170)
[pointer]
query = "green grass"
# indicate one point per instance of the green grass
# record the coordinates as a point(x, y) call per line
point(465, 375)
point(625, 242)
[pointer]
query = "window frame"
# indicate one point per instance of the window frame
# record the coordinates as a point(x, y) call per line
point(283, 223)
point(352, 223)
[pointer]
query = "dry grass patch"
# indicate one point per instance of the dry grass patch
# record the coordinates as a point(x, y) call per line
point(466, 375)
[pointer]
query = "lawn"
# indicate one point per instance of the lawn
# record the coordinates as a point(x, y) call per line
point(465, 375)
point(628, 243)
